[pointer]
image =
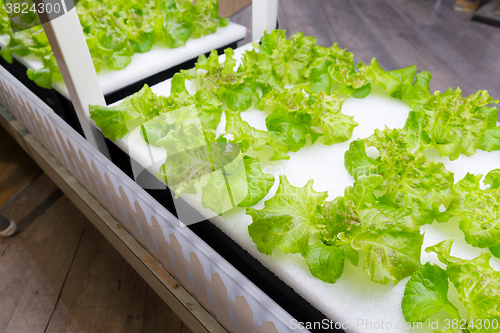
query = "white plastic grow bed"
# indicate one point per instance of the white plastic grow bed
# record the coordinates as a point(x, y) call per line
point(354, 300)
point(146, 64)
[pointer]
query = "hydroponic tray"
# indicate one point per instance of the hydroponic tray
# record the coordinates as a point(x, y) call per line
point(157, 65)
point(144, 65)
point(354, 301)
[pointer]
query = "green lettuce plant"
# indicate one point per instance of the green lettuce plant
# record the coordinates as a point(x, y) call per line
point(115, 30)
point(477, 283)
point(301, 88)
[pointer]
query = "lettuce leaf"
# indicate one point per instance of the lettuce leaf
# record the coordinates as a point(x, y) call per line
point(183, 170)
point(240, 183)
point(493, 179)
point(236, 89)
point(209, 109)
point(478, 285)
point(389, 237)
point(259, 66)
point(278, 61)
point(248, 137)
point(426, 294)
point(227, 186)
point(155, 129)
point(186, 136)
point(4, 20)
point(149, 110)
point(455, 125)
point(478, 210)
point(357, 162)
point(495, 250)
point(297, 115)
point(42, 77)
point(390, 240)
point(189, 154)
point(394, 82)
point(191, 159)
point(325, 262)
point(289, 57)
point(258, 183)
point(25, 42)
point(343, 213)
point(333, 70)
point(115, 122)
point(419, 92)
point(177, 32)
point(288, 220)
point(411, 182)
point(329, 122)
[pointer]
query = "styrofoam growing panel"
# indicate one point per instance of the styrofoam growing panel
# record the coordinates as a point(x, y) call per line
point(235, 302)
point(143, 65)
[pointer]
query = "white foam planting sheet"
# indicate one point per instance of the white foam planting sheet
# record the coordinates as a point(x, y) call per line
point(143, 65)
point(354, 300)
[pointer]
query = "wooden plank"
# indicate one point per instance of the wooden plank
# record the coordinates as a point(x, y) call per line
point(393, 41)
point(47, 275)
point(300, 12)
point(103, 293)
point(158, 268)
point(179, 300)
point(458, 52)
point(16, 167)
point(33, 265)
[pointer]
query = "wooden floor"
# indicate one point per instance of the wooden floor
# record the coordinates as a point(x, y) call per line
point(16, 167)
point(400, 33)
point(59, 274)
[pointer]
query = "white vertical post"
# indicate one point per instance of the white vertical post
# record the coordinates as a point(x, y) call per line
point(264, 15)
point(70, 49)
